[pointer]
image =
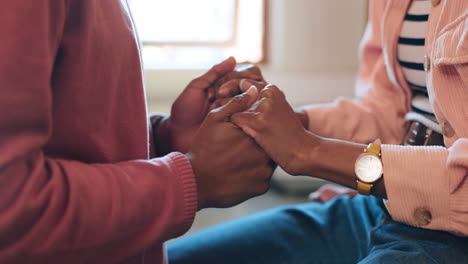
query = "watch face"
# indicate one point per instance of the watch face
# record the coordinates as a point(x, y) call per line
point(368, 167)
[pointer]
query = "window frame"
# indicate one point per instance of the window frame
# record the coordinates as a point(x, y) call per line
point(226, 44)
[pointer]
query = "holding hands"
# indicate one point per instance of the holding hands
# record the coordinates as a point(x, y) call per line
point(229, 166)
point(191, 107)
point(276, 128)
point(230, 141)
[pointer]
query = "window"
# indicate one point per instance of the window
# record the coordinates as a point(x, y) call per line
point(196, 34)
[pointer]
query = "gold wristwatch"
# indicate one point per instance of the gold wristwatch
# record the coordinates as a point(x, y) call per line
point(369, 168)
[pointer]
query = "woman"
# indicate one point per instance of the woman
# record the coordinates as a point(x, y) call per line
point(412, 88)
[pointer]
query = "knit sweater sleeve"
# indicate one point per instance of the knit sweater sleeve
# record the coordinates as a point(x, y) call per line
point(60, 210)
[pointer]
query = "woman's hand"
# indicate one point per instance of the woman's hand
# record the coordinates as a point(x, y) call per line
point(329, 192)
point(276, 128)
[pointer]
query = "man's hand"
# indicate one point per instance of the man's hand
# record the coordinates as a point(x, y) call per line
point(229, 166)
point(176, 132)
point(277, 129)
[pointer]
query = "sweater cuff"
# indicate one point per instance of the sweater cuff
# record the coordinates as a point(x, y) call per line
point(188, 186)
point(417, 184)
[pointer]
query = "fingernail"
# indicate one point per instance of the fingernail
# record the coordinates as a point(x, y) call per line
point(252, 91)
point(245, 84)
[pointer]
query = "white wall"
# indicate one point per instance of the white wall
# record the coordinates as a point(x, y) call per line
point(312, 53)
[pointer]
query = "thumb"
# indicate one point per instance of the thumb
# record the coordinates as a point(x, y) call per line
point(217, 71)
point(237, 104)
point(225, 66)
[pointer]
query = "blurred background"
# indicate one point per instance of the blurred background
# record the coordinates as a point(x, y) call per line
point(309, 48)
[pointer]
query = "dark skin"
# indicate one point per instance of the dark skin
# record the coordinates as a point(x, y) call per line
point(277, 129)
point(245, 84)
point(229, 166)
point(176, 132)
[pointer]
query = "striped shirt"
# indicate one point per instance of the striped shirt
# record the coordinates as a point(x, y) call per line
point(411, 58)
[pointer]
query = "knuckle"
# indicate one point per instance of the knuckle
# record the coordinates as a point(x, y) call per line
point(263, 188)
point(267, 104)
point(276, 89)
point(239, 99)
point(261, 119)
point(267, 92)
point(273, 87)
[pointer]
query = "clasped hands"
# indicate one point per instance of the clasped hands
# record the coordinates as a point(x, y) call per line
point(231, 141)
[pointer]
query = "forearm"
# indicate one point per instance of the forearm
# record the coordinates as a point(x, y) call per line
point(333, 160)
point(83, 211)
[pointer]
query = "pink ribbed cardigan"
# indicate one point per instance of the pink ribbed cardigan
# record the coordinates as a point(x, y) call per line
point(77, 184)
point(431, 178)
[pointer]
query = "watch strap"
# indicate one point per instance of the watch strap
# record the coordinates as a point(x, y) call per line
point(364, 188)
point(374, 147)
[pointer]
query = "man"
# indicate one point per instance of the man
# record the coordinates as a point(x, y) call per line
point(79, 178)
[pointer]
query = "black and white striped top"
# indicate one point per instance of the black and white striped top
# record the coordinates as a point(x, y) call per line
point(411, 57)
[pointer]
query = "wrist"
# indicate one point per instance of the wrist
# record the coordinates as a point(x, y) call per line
point(302, 116)
point(162, 134)
point(308, 156)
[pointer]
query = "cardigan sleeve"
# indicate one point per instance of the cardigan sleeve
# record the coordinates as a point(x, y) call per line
point(431, 180)
point(434, 180)
point(55, 210)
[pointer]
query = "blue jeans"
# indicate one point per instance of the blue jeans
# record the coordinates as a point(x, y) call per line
point(344, 230)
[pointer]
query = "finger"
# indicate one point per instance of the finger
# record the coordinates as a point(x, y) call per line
point(260, 106)
point(271, 91)
point(230, 88)
point(247, 121)
point(234, 87)
point(252, 68)
point(237, 104)
point(315, 197)
point(215, 73)
point(222, 101)
point(236, 75)
point(245, 84)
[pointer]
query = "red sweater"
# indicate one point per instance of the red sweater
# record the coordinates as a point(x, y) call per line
point(77, 184)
